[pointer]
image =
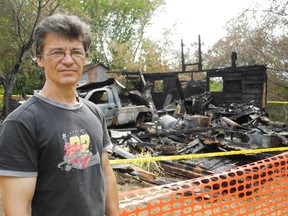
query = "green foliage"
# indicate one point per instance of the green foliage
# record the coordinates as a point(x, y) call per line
point(28, 81)
point(8, 38)
point(215, 86)
point(118, 28)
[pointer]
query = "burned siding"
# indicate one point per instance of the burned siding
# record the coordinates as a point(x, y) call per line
point(165, 85)
point(241, 85)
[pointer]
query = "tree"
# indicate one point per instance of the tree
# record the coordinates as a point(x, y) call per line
point(259, 36)
point(254, 35)
point(119, 28)
point(18, 20)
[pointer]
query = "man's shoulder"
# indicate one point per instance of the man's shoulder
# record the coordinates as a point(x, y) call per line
point(92, 106)
point(23, 109)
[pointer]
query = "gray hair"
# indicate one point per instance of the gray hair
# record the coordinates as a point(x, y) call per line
point(68, 26)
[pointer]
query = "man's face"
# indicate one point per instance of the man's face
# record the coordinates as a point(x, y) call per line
point(62, 59)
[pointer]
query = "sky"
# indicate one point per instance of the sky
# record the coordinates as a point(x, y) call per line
point(206, 18)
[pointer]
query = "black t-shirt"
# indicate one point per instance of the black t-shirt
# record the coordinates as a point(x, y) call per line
point(62, 146)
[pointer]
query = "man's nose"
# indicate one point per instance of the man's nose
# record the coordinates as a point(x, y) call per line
point(68, 57)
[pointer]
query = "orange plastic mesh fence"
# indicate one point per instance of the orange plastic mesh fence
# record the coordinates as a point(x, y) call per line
point(258, 188)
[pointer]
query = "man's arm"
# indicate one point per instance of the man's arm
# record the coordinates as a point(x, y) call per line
point(112, 203)
point(17, 194)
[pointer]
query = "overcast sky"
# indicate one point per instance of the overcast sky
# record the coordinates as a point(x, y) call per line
point(194, 17)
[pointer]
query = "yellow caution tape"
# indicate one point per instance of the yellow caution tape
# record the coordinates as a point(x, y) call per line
point(194, 156)
point(277, 102)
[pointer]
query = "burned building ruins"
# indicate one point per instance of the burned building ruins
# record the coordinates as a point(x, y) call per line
point(195, 117)
point(236, 85)
point(199, 111)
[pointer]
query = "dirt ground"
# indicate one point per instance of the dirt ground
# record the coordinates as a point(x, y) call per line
point(126, 182)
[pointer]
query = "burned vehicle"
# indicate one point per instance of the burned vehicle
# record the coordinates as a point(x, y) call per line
point(120, 106)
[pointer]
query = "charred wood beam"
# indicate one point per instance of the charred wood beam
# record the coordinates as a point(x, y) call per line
point(231, 145)
point(164, 133)
point(183, 170)
point(139, 143)
point(192, 147)
point(178, 138)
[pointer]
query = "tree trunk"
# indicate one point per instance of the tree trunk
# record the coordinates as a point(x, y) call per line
point(8, 88)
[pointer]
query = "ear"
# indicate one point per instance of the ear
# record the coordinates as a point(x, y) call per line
point(40, 61)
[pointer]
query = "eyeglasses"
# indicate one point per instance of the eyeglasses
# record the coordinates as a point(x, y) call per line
point(60, 54)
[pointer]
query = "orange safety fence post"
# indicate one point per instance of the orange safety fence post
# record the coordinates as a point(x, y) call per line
point(258, 188)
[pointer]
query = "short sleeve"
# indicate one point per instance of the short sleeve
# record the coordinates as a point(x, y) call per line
point(18, 152)
point(107, 144)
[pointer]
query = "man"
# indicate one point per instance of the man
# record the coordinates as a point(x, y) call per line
point(53, 148)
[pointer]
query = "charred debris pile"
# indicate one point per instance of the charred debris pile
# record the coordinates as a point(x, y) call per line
point(187, 116)
point(196, 126)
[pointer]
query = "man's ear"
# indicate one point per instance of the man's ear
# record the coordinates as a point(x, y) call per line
point(40, 61)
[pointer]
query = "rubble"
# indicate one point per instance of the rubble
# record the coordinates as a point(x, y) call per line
point(190, 116)
point(201, 128)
